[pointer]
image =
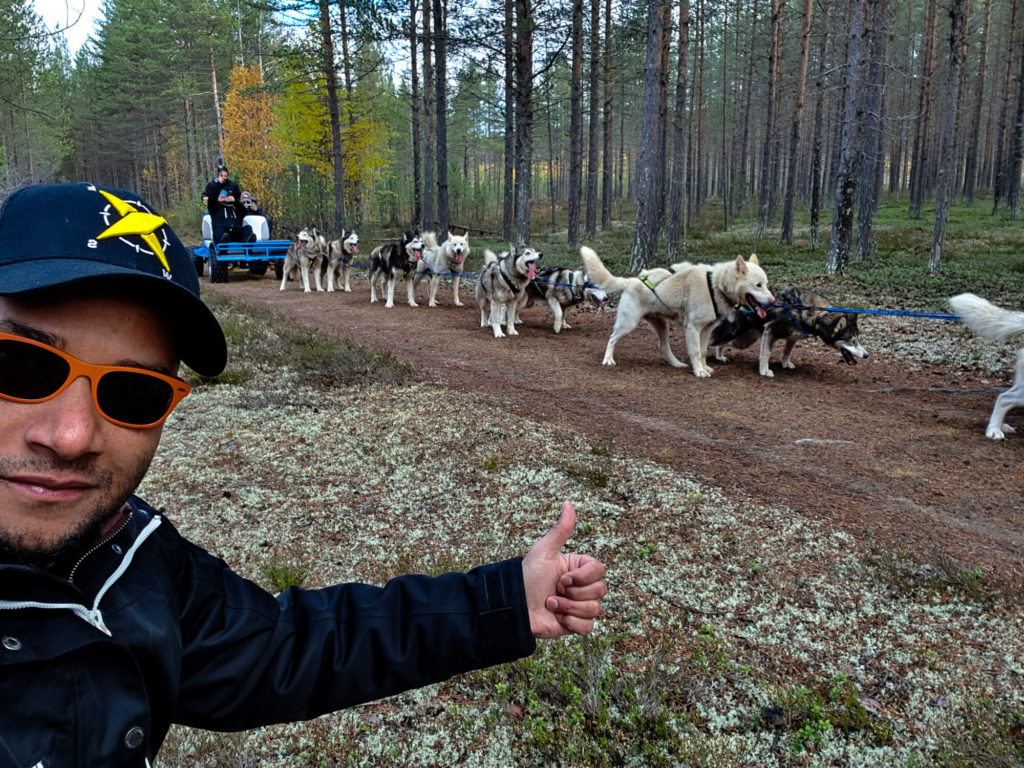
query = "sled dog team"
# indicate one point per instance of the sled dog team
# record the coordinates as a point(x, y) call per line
point(723, 304)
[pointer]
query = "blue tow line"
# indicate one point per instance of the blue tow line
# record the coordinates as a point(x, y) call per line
point(893, 312)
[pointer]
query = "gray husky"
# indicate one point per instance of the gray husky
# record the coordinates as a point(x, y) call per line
point(500, 286)
point(797, 315)
point(561, 288)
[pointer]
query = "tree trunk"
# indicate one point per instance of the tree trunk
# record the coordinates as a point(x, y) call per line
point(872, 156)
point(650, 172)
point(429, 222)
point(607, 159)
point(331, 79)
point(524, 117)
point(1016, 154)
point(216, 98)
point(958, 11)
point(417, 179)
point(786, 237)
point(509, 194)
point(849, 149)
point(593, 153)
point(576, 124)
point(441, 115)
point(926, 100)
point(1003, 130)
point(971, 169)
point(355, 192)
point(769, 154)
point(679, 137)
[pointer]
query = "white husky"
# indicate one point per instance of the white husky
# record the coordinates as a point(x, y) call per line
point(996, 324)
point(448, 258)
point(695, 294)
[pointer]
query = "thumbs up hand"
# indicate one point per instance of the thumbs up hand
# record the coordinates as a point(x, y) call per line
point(563, 590)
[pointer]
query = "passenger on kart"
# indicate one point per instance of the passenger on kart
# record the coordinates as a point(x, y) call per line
point(252, 208)
point(222, 198)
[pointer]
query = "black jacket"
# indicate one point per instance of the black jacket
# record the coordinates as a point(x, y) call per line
point(154, 631)
point(219, 210)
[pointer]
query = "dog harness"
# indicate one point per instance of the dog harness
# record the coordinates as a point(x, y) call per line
point(711, 290)
point(508, 282)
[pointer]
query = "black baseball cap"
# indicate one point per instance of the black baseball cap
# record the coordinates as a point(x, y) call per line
point(68, 234)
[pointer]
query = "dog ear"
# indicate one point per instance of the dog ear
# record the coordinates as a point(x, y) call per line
point(753, 259)
point(741, 266)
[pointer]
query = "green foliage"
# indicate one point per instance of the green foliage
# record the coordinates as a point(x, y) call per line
point(581, 708)
point(989, 733)
point(811, 712)
point(281, 571)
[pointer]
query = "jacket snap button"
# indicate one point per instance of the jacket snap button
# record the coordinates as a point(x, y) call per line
point(134, 737)
point(11, 643)
point(117, 549)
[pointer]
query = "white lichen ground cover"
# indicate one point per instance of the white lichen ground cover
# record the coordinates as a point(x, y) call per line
point(723, 608)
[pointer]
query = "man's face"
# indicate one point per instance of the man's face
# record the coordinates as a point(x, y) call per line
point(222, 175)
point(63, 467)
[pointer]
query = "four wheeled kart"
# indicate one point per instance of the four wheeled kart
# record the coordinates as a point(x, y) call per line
point(216, 258)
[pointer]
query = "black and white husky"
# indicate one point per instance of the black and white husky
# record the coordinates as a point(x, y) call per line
point(391, 260)
point(307, 253)
point(500, 286)
point(796, 315)
point(448, 258)
point(338, 263)
point(561, 288)
point(996, 324)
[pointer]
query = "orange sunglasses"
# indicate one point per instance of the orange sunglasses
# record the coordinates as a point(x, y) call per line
point(33, 372)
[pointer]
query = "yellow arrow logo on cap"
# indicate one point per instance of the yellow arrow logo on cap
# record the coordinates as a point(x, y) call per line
point(135, 222)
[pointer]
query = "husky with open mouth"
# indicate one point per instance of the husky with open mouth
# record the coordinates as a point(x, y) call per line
point(306, 254)
point(338, 265)
point(797, 315)
point(501, 284)
point(561, 288)
point(694, 294)
point(448, 258)
point(394, 259)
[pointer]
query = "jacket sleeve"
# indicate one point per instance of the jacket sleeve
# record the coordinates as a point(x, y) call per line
point(251, 659)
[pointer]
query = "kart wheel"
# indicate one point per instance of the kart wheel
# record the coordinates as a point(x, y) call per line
point(218, 269)
point(278, 269)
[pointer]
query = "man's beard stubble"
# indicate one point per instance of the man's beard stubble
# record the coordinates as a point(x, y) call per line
point(17, 549)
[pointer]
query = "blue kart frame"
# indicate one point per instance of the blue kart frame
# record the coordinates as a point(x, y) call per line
point(255, 257)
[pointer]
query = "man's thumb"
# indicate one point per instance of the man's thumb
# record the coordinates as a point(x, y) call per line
point(559, 534)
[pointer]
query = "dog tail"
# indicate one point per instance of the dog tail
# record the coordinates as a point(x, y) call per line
point(986, 319)
point(490, 256)
point(598, 272)
point(430, 240)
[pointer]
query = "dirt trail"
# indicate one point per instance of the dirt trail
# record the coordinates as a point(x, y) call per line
point(885, 453)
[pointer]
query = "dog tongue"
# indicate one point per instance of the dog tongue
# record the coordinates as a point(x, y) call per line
point(533, 270)
point(355, 249)
point(760, 311)
point(848, 357)
point(458, 258)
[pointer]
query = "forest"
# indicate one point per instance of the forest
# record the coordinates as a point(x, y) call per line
point(511, 116)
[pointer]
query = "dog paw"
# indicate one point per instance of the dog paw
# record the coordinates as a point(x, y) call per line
point(608, 361)
point(789, 365)
point(703, 373)
point(459, 303)
point(498, 334)
point(994, 433)
point(767, 373)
